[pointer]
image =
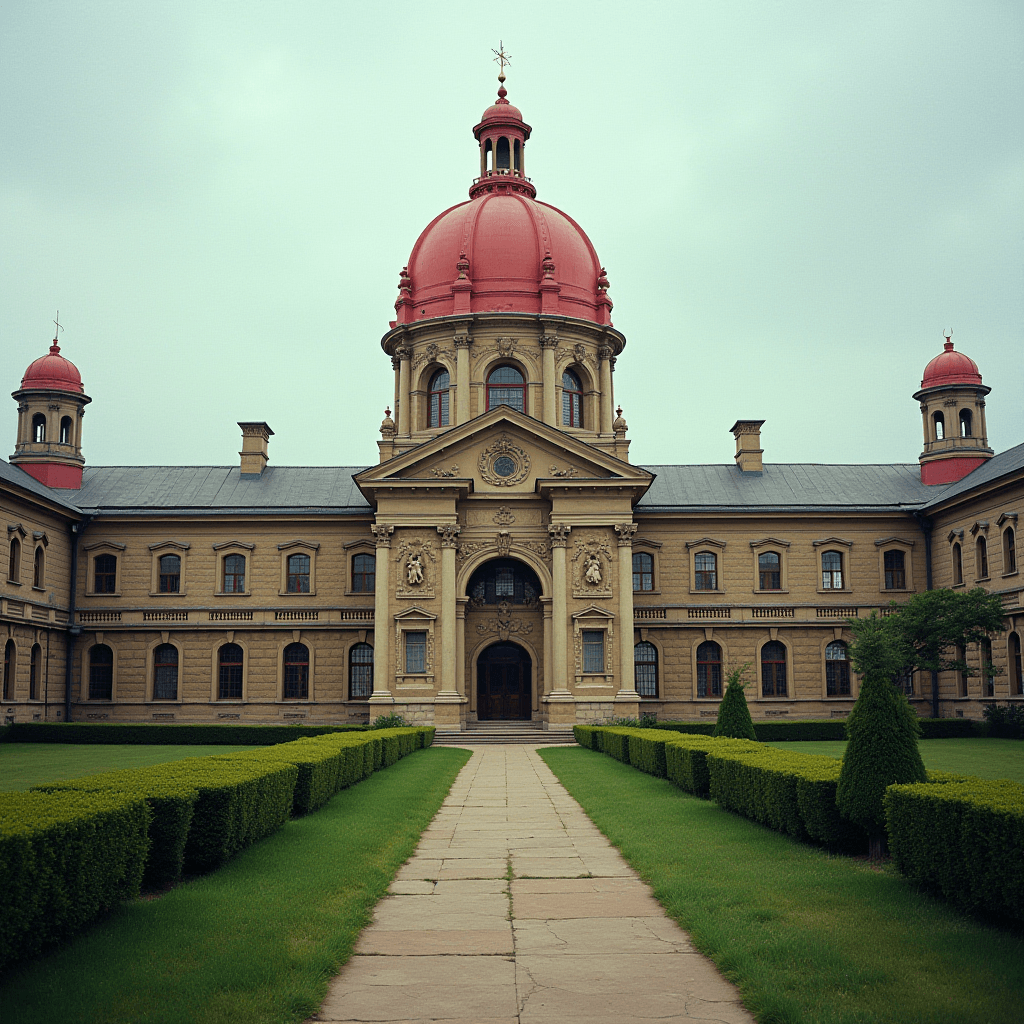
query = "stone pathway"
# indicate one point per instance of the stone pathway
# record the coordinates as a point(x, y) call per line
point(514, 910)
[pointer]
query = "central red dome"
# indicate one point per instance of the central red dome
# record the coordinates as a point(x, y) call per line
point(950, 367)
point(53, 372)
point(502, 251)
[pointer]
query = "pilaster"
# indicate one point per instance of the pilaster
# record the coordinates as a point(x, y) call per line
point(627, 681)
point(381, 617)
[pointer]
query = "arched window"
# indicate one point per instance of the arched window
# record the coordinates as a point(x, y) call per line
point(709, 669)
point(65, 430)
point(505, 386)
point(572, 400)
point(504, 579)
point(988, 671)
point(35, 672)
point(39, 428)
point(832, 570)
point(165, 672)
point(837, 670)
point(296, 672)
point(939, 422)
point(959, 654)
point(105, 574)
point(705, 571)
point(298, 574)
point(958, 564)
point(101, 672)
point(38, 567)
point(229, 665)
point(894, 563)
point(1013, 649)
point(517, 162)
point(234, 574)
point(643, 571)
point(439, 385)
point(14, 564)
point(981, 558)
point(170, 574)
point(769, 568)
point(965, 422)
point(10, 662)
point(364, 574)
point(1009, 550)
point(503, 154)
point(360, 672)
point(645, 669)
point(773, 669)
point(488, 157)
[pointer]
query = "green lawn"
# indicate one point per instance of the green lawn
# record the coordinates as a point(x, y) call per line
point(257, 941)
point(807, 937)
point(23, 765)
point(986, 758)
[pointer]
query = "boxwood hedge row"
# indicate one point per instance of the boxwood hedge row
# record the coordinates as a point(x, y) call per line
point(826, 729)
point(65, 859)
point(75, 847)
point(143, 733)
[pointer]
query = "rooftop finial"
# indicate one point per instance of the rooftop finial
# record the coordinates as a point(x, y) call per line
point(501, 58)
point(55, 348)
point(948, 335)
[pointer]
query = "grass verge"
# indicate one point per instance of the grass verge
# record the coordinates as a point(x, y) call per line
point(808, 938)
point(976, 755)
point(257, 941)
point(23, 765)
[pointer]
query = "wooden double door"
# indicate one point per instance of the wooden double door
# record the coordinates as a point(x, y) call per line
point(504, 679)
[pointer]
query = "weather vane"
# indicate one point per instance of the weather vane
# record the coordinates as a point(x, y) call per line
point(501, 57)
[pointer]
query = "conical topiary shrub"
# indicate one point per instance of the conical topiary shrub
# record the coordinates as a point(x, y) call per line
point(733, 714)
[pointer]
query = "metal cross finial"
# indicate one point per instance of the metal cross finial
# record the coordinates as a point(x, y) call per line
point(59, 327)
point(501, 57)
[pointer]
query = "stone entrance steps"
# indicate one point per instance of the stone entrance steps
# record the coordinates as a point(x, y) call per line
point(480, 733)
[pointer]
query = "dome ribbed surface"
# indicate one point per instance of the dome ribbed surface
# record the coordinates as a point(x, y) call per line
point(53, 372)
point(950, 367)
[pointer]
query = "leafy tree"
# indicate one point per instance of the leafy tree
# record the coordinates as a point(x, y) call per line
point(882, 730)
point(733, 713)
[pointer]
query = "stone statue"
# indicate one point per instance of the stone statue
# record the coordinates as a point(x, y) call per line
point(414, 570)
point(592, 570)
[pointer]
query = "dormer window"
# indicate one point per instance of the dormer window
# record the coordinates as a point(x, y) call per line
point(439, 390)
point(505, 386)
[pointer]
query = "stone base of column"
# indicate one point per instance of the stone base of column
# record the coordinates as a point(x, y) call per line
point(627, 704)
point(561, 711)
point(448, 711)
point(381, 697)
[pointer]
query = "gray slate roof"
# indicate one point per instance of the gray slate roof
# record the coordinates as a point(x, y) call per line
point(999, 465)
point(212, 489)
point(18, 477)
point(785, 485)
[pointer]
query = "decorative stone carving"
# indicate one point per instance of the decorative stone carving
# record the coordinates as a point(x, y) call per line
point(570, 472)
point(605, 352)
point(590, 568)
point(506, 347)
point(403, 351)
point(433, 353)
point(504, 623)
point(504, 517)
point(438, 472)
point(625, 532)
point(559, 534)
point(416, 569)
point(469, 548)
point(449, 534)
point(548, 340)
point(504, 463)
point(383, 532)
point(463, 340)
point(577, 354)
point(396, 363)
point(503, 542)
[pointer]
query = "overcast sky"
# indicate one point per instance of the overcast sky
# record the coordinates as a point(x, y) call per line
point(793, 201)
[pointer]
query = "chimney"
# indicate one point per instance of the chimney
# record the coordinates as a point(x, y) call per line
point(748, 445)
point(255, 438)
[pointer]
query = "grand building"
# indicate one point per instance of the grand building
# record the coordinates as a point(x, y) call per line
point(504, 560)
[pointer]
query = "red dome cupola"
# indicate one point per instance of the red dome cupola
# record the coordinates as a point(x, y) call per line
point(502, 251)
point(53, 371)
point(952, 398)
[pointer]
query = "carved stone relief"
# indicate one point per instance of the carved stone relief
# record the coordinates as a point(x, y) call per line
point(504, 517)
point(415, 561)
point(504, 463)
point(432, 354)
point(504, 623)
point(591, 564)
point(439, 472)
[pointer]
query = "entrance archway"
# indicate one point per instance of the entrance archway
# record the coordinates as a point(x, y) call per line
point(504, 680)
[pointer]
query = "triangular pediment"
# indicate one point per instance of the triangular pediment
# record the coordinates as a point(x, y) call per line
point(504, 452)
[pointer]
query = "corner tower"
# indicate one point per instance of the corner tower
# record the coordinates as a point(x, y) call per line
point(503, 302)
point(51, 404)
point(952, 399)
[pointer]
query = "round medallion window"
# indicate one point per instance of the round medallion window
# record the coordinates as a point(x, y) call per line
point(504, 466)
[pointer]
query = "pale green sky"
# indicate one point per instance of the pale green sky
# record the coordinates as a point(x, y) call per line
point(793, 200)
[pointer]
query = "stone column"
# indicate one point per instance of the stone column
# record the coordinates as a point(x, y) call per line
point(381, 616)
point(627, 681)
point(460, 646)
point(559, 612)
point(604, 354)
point(446, 704)
point(462, 347)
point(404, 401)
point(547, 344)
point(549, 671)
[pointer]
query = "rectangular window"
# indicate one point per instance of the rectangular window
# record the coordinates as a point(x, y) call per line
point(170, 574)
point(105, 578)
point(298, 574)
point(895, 571)
point(705, 575)
point(593, 650)
point(416, 652)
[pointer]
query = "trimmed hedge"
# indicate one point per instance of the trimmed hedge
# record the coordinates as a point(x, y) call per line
point(145, 733)
point(64, 860)
point(825, 729)
point(962, 838)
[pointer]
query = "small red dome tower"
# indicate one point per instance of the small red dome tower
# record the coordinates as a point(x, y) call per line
point(952, 399)
point(51, 404)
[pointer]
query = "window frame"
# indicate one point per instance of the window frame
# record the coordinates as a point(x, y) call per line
point(9, 683)
point(597, 640)
point(834, 546)
point(408, 648)
point(788, 670)
point(712, 696)
point(708, 546)
point(849, 673)
point(886, 544)
point(771, 545)
point(352, 664)
point(215, 696)
point(1015, 662)
point(488, 387)
point(574, 398)
point(414, 620)
point(14, 559)
point(646, 642)
point(283, 665)
point(298, 547)
point(35, 670)
point(159, 551)
point(98, 641)
point(1008, 545)
point(640, 556)
point(445, 413)
point(96, 550)
point(362, 574)
point(39, 567)
point(223, 552)
point(956, 557)
point(152, 667)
